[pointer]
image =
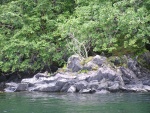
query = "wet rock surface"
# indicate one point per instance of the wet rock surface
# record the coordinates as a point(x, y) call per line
point(101, 79)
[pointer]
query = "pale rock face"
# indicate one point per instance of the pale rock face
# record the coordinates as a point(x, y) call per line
point(72, 89)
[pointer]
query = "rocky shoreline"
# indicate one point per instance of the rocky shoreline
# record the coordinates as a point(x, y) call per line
point(91, 75)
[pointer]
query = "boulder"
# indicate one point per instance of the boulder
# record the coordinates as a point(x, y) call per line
point(72, 89)
point(93, 84)
point(104, 72)
point(47, 80)
point(86, 76)
point(114, 87)
point(48, 88)
point(108, 73)
point(11, 84)
point(81, 85)
point(22, 87)
point(74, 63)
point(94, 63)
point(146, 82)
point(103, 84)
point(127, 75)
point(50, 85)
point(134, 66)
point(119, 79)
point(97, 76)
point(99, 60)
point(90, 66)
point(146, 88)
point(32, 81)
point(60, 83)
point(11, 87)
point(82, 77)
point(65, 87)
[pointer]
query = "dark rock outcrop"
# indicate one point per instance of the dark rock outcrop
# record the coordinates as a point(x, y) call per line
point(83, 78)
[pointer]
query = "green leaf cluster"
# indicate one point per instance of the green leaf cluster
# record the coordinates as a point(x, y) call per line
point(28, 36)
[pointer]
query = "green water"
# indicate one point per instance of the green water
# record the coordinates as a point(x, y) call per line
point(74, 103)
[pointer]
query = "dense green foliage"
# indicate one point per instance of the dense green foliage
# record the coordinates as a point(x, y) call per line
point(110, 26)
point(35, 33)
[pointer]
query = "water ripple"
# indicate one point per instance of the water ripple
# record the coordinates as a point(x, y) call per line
point(35, 102)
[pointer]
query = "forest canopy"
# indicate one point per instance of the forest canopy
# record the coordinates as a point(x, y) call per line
point(35, 33)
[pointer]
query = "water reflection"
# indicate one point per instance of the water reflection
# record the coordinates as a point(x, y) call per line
point(35, 102)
